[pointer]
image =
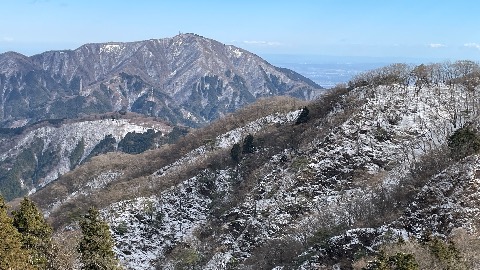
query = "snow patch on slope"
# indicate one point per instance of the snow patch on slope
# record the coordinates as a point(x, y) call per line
point(145, 228)
point(65, 138)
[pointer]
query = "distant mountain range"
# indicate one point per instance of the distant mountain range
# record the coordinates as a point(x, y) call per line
point(60, 108)
point(186, 79)
point(383, 171)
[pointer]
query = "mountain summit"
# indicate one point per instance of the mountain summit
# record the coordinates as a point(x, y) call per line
point(186, 79)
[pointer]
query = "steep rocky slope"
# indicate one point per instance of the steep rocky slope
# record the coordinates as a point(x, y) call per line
point(370, 165)
point(33, 156)
point(187, 79)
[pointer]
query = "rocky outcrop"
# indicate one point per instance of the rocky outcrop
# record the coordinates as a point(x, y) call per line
point(34, 156)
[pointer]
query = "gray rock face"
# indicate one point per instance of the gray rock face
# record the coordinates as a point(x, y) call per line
point(34, 156)
point(186, 79)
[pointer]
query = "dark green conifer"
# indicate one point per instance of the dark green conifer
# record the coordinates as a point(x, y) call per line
point(12, 256)
point(235, 152)
point(96, 244)
point(463, 142)
point(303, 117)
point(248, 146)
point(35, 232)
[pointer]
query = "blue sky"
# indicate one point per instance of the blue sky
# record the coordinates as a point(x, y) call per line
point(400, 29)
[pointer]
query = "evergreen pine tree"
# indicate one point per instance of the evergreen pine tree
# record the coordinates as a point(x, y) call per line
point(248, 146)
point(12, 256)
point(303, 117)
point(235, 152)
point(96, 244)
point(463, 142)
point(36, 233)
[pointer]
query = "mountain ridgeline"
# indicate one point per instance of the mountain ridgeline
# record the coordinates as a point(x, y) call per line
point(382, 173)
point(59, 109)
point(379, 173)
point(187, 79)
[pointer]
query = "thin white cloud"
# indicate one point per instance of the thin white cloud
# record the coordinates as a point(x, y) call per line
point(34, 2)
point(437, 45)
point(262, 43)
point(472, 45)
point(7, 39)
point(39, 1)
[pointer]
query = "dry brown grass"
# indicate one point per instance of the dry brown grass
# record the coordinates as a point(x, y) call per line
point(137, 169)
point(466, 243)
point(138, 177)
point(137, 180)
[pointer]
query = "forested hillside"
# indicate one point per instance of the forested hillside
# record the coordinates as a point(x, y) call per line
point(376, 174)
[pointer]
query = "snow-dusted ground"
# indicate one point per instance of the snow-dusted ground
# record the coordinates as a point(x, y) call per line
point(65, 138)
point(316, 185)
point(145, 228)
point(228, 139)
point(182, 208)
